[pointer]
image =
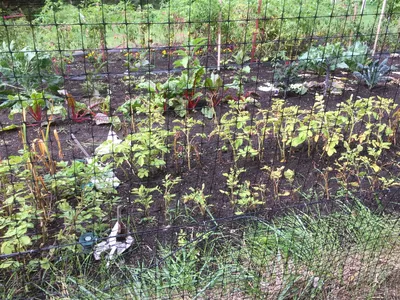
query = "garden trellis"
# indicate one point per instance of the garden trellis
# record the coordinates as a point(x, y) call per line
point(199, 149)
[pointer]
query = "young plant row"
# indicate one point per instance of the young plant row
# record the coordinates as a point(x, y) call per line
point(287, 258)
point(356, 135)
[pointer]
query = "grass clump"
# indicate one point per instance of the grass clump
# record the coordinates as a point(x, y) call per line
point(348, 253)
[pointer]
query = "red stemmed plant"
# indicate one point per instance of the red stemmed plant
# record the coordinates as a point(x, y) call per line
point(78, 110)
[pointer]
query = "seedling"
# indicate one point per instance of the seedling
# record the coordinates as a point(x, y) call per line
point(169, 183)
point(197, 196)
point(185, 130)
point(144, 197)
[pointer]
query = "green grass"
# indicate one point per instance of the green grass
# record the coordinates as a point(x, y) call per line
point(125, 25)
point(351, 252)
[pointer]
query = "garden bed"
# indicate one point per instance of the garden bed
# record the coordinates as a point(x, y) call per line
point(208, 161)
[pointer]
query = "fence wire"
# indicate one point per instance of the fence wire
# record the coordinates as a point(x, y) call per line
point(206, 149)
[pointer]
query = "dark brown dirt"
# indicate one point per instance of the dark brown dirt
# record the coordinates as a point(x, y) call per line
point(209, 166)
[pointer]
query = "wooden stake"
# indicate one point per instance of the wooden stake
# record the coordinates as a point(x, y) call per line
point(219, 37)
point(363, 5)
point(253, 48)
point(378, 31)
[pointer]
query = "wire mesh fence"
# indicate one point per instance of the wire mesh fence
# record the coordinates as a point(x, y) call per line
point(199, 149)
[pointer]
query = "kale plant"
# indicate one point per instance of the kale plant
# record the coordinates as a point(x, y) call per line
point(373, 73)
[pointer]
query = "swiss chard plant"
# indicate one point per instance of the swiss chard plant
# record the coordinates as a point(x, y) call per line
point(181, 93)
point(214, 85)
point(37, 105)
point(78, 111)
point(184, 89)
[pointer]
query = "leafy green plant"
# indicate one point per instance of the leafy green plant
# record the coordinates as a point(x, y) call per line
point(241, 195)
point(144, 197)
point(145, 149)
point(214, 84)
point(93, 84)
point(232, 182)
point(324, 60)
point(78, 111)
point(18, 212)
point(283, 122)
point(286, 76)
point(30, 203)
point(240, 76)
point(36, 104)
point(262, 130)
point(235, 129)
point(355, 54)
point(184, 129)
point(136, 61)
point(182, 90)
point(197, 197)
point(169, 183)
point(248, 197)
point(26, 69)
point(373, 73)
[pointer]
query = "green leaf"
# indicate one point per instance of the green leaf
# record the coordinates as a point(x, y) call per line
point(246, 69)
point(376, 168)
point(45, 264)
point(25, 240)
point(237, 143)
point(143, 173)
point(299, 139)
point(7, 247)
point(10, 127)
point(8, 264)
point(208, 112)
point(342, 65)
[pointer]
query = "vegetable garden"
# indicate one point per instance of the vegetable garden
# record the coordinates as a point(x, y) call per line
point(200, 149)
